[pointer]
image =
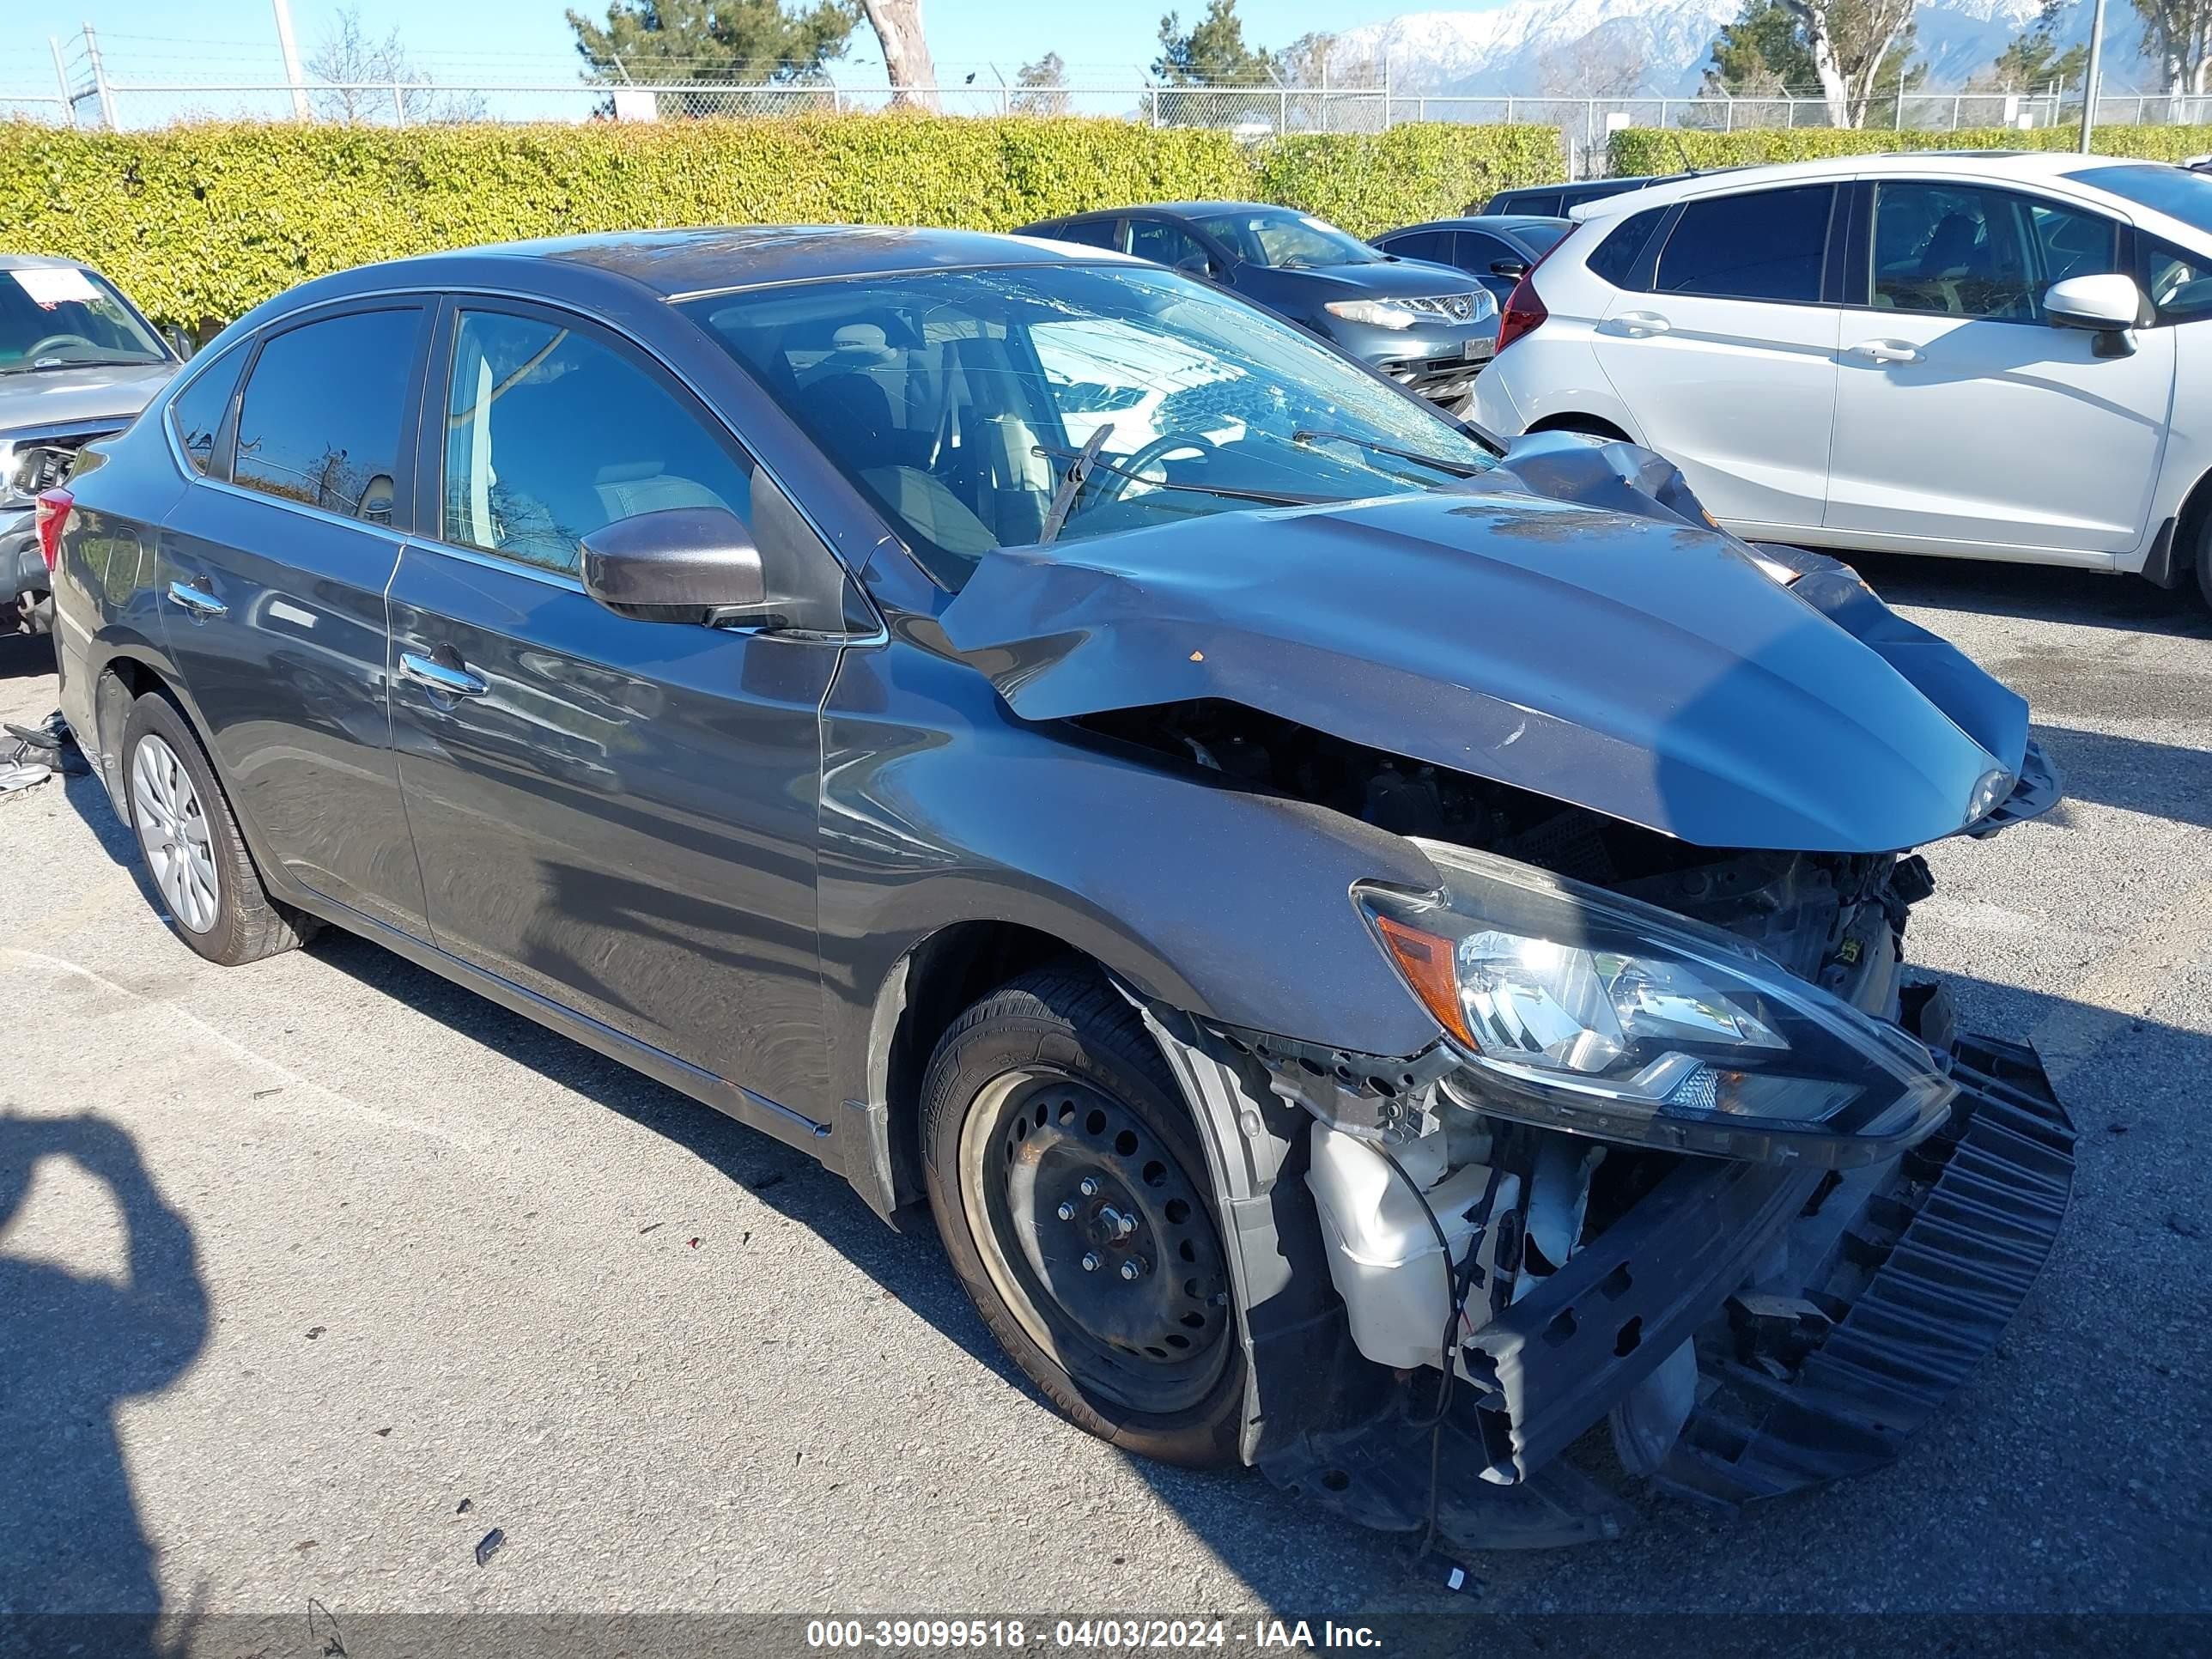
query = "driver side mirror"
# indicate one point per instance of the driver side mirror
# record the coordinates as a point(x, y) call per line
point(1513, 270)
point(179, 342)
point(679, 564)
point(1198, 265)
point(2107, 306)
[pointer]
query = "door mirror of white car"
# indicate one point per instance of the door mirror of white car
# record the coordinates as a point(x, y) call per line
point(2106, 304)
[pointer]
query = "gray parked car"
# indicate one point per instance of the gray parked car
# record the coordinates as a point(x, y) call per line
point(1381, 957)
point(77, 362)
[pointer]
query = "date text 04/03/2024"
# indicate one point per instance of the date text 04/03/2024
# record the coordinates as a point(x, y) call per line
point(1106, 1635)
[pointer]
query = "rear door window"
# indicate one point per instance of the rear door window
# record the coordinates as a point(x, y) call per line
point(1763, 245)
point(1435, 244)
point(324, 419)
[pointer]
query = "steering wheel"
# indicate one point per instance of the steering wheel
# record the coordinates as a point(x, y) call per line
point(38, 346)
point(1116, 484)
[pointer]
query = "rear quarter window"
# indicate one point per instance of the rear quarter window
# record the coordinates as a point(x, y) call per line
point(195, 414)
point(1616, 257)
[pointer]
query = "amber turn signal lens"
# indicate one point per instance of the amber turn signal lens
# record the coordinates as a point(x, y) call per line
point(1425, 960)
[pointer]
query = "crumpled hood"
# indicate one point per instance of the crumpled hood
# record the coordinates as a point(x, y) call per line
point(1643, 667)
point(38, 399)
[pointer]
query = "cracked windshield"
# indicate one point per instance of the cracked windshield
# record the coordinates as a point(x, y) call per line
point(1006, 408)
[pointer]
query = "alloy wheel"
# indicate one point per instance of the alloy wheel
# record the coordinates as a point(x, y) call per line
point(173, 833)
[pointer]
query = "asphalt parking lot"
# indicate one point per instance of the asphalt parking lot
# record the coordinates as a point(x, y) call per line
point(314, 1252)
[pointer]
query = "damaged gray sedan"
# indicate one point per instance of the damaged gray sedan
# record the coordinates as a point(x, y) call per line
point(1383, 956)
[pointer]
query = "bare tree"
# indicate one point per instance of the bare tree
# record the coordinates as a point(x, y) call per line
point(897, 24)
point(367, 79)
point(2179, 35)
point(1850, 42)
point(1600, 64)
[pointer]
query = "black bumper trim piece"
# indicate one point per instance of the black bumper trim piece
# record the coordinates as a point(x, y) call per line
point(1927, 1287)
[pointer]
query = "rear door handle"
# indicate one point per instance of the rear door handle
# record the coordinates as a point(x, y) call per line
point(189, 598)
point(429, 671)
point(1638, 324)
point(1885, 351)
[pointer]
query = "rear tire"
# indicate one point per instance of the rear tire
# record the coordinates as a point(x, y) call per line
point(1070, 1187)
point(194, 855)
point(2204, 563)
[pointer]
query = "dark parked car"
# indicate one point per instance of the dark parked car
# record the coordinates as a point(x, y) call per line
point(1426, 326)
point(1554, 201)
point(77, 362)
point(1496, 252)
point(1345, 930)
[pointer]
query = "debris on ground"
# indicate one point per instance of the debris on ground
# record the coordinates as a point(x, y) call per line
point(464, 1506)
point(488, 1546)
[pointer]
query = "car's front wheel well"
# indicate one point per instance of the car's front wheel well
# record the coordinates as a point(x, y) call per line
point(2192, 539)
point(934, 984)
point(1590, 425)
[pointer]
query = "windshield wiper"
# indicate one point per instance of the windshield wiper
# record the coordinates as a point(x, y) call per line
point(1088, 456)
point(1071, 485)
point(47, 363)
point(1457, 469)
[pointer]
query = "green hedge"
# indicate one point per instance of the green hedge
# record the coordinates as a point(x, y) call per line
point(198, 223)
point(1642, 150)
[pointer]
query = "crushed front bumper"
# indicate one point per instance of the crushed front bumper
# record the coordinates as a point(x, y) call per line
point(1830, 1314)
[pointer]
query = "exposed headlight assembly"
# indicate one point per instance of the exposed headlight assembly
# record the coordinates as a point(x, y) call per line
point(1577, 1009)
point(1381, 313)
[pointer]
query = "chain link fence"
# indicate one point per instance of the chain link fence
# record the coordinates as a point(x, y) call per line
point(86, 96)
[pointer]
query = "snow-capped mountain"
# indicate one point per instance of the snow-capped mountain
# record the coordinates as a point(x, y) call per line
point(1612, 47)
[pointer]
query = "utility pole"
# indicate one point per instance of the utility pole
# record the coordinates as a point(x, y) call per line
point(100, 80)
point(61, 78)
point(2089, 75)
point(291, 60)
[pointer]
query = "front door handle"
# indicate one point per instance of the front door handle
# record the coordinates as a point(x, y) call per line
point(199, 606)
point(1885, 351)
point(429, 671)
point(1638, 324)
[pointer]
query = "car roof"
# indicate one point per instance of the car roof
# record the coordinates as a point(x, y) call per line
point(1508, 222)
point(671, 263)
point(39, 262)
point(2000, 164)
point(1181, 210)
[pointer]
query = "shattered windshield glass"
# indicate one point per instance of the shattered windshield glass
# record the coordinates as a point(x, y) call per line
point(957, 401)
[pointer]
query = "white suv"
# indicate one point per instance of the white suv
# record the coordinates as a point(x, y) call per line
point(2002, 357)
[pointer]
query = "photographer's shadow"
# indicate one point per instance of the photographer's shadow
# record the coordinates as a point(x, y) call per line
point(73, 1348)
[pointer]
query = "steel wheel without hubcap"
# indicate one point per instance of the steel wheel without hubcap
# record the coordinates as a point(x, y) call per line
point(173, 833)
point(1097, 1239)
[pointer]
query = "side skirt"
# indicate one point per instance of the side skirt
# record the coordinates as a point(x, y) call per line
point(754, 1112)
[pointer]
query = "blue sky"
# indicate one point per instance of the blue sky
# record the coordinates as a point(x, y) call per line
point(1101, 40)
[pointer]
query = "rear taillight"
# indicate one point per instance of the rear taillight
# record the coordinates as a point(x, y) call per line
point(1524, 308)
point(1524, 312)
point(51, 518)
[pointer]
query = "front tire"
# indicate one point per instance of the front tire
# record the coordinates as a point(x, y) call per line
point(1070, 1187)
point(194, 855)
